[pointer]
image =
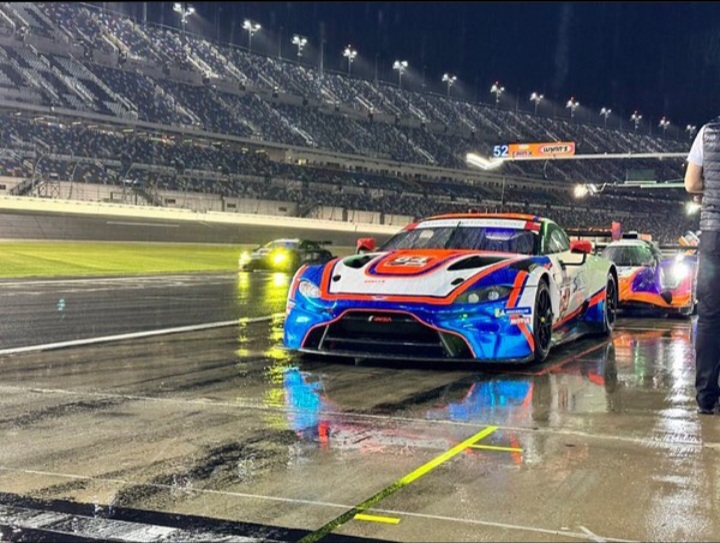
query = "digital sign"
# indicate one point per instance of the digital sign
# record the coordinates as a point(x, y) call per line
point(535, 150)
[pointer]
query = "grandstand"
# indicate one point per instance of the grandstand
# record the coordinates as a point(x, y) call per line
point(93, 99)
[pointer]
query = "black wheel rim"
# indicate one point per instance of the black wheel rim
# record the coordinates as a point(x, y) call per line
point(544, 320)
point(611, 303)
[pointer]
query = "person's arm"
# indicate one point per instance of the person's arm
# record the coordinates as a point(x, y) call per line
point(694, 172)
point(694, 178)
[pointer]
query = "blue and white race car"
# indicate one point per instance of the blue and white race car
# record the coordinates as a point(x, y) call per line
point(478, 287)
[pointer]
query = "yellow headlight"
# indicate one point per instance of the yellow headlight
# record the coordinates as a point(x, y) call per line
point(280, 258)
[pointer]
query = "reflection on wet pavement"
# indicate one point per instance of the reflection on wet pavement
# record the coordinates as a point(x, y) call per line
point(601, 442)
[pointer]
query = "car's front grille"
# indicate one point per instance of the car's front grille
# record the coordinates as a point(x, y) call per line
point(384, 333)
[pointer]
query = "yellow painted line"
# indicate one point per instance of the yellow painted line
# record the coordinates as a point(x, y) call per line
point(320, 533)
point(435, 462)
point(492, 448)
point(377, 518)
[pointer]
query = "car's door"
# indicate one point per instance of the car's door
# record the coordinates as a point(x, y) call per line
point(569, 277)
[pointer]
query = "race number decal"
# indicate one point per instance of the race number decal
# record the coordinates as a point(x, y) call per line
point(410, 261)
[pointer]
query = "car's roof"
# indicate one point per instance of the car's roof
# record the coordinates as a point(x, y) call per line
point(512, 216)
point(630, 243)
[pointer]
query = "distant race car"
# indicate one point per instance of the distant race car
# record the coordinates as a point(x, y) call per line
point(285, 255)
point(651, 279)
point(477, 287)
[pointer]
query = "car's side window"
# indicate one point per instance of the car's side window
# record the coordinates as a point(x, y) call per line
point(556, 241)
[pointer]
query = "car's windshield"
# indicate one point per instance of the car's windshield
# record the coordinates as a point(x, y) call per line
point(474, 234)
point(629, 255)
point(278, 243)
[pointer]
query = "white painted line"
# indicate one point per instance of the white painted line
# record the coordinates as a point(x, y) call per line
point(135, 335)
point(154, 225)
point(199, 491)
point(191, 276)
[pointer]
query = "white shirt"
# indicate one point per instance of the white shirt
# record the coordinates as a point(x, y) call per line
point(696, 151)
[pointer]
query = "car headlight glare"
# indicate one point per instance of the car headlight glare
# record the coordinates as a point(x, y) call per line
point(679, 271)
point(488, 294)
point(244, 258)
point(309, 290)
point(280, 258)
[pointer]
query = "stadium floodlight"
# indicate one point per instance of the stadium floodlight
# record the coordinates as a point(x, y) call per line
point(537, 98)
point(400, 66)
point(450, 80)
point(497, 90)
point(664, 123)
point(691, 129)
point(185, 11)
point(691, 208)
point(605, 112)
point(349, 53)
point(580, 191)
point(301, 42)
point(251, 28)
point(635, 117)
point(572, 105)
point(473, 159)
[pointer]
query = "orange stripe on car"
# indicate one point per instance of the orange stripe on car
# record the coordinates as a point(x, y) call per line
point(528, 335)
point(517, 286)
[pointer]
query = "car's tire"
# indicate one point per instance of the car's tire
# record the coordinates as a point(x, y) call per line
point(611, 306)
point(542, 322)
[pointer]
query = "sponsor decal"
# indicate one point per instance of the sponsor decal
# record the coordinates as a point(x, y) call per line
point(379, 318)
point(520, 319)
point(410, 261)
point(515, 312)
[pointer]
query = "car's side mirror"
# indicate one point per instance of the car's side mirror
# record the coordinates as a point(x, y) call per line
point(581, 246)
point(365, 245)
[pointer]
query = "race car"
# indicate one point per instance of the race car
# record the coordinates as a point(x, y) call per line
point(475, 287)
point(285, 255)
point(650, 279)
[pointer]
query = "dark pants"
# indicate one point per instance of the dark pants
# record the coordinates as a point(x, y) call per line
point(707, 342)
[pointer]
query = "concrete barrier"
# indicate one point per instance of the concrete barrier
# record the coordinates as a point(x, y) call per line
point(75, 207)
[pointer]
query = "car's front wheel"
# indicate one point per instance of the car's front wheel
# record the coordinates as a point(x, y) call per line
point(611, 305)
point(542, 322)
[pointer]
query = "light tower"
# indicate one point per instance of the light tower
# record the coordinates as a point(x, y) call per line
point(251, 28)
point(400, 66)
point(450, 80)
point(537, 98)
point(664, 123)
point(691, 129)
point(349, 53)
point(301, 42)
point(605, 112)
point(635, 118)
point(497, 90)
point(572, 105)
point(185, 11)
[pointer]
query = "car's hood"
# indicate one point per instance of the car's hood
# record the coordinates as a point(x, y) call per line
point(413, 272)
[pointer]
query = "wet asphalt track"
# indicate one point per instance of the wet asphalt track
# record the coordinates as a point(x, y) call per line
point(219, 434)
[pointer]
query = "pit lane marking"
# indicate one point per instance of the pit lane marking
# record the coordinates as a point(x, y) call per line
point(377, 518)
point(136, 335)
point(494, 448)
point(168, 487)
point(423, 470)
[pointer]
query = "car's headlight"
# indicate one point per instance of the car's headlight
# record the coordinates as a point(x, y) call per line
point(280, 258)
point(488, 294)
point(244, 258)
point(680, 271)
point(309, 290)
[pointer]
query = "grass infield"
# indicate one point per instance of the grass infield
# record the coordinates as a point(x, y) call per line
point(59, 258)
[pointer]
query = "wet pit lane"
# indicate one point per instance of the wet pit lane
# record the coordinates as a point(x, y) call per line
point(220, 435)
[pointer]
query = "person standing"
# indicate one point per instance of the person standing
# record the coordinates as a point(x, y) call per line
point(702, 179)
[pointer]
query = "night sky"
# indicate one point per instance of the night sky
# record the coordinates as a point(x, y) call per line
point(660, 58)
